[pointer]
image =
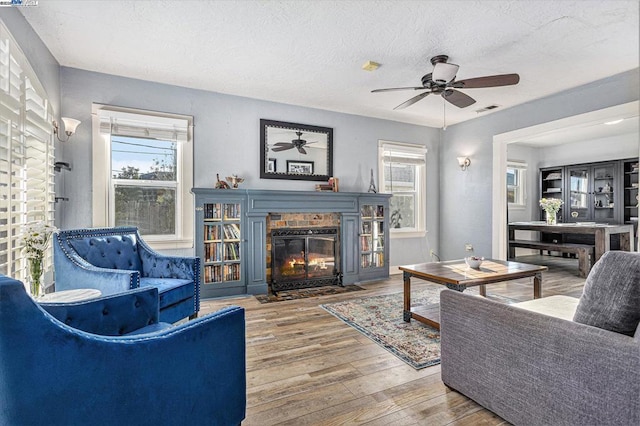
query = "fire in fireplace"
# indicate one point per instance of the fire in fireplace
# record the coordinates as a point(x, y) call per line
point(304, 258)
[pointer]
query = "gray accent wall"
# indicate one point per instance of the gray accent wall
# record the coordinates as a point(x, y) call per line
point(466, 197)
point(227, 141)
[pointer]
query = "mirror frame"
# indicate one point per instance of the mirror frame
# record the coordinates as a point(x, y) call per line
point(264, 150)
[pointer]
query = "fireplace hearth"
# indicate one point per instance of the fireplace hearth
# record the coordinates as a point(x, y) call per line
point(304, 257)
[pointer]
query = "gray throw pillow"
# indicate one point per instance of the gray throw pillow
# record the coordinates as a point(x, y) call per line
point(611, 295)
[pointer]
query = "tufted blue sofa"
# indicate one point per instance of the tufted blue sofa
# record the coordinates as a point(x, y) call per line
point(114, 260)
point(54, 374)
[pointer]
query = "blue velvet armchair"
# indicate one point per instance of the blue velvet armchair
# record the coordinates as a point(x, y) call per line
point(114, 260)
point(141, 373)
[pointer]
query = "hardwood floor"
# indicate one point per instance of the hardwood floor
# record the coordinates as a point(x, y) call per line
point(306, 367)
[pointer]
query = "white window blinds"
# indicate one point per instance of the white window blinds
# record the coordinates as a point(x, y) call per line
point(26, 156)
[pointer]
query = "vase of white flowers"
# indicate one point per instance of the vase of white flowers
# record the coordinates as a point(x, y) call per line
point(35, 239)
point(551, 206)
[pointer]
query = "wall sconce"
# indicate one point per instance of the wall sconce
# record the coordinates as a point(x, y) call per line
point(464, 163)
point(70, 126)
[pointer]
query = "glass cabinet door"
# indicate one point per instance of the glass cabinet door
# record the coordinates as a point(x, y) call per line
point(372, 238)
point(578, 194)
point(603, 192)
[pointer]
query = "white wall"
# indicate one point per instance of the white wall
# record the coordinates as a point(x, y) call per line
point(604, 149)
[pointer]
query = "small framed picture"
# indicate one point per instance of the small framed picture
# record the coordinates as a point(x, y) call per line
point(271, 165)
point(300, 167)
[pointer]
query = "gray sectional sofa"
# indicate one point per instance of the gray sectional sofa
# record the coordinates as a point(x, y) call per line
point(539, 363)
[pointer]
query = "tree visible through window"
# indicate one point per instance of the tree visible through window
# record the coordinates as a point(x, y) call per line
point(402, 173)
point(144, 184)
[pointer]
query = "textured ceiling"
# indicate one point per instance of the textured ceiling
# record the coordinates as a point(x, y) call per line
point(310, 53)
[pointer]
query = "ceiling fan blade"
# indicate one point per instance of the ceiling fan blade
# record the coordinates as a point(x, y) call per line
point(457, 98)
point(283, 144)
point(301, 150)
point(397, 88)
point(413, 100)
point(282, 148)
point(488, 81)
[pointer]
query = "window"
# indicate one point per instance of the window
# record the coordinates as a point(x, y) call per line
point(516, 177)
point(146, 179)
point(26, 156)
point(402, 172)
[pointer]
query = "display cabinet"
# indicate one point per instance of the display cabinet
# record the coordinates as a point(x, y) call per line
point(592, 189)
point(373, 238)
point(600, 192)
point(631, 199)
point(551, 186)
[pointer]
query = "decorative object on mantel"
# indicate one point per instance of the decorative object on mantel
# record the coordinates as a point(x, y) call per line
point(220, 184)
point(35, 239)
point(551, 206)
point(234, 180)
point(331, 186)
point(372, 184)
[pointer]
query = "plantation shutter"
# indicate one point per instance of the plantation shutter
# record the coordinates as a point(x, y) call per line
point(26, 156)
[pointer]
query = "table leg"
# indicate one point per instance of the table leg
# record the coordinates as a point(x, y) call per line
point(483, 290)
point(603, 242)
point(512, 250)
point(406, 313)
point(537, 286)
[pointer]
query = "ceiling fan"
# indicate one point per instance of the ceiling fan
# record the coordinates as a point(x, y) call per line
point(442, 81)
point(295, 143)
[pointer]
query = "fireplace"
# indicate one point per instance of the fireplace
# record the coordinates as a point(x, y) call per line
point(304, 257)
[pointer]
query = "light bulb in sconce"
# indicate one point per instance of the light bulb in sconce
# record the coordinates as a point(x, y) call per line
point(464, 163)
point(70, 126)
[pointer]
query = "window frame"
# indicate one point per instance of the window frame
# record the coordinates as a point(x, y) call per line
point(417, 153)
point(103, 181)
point(521, 187)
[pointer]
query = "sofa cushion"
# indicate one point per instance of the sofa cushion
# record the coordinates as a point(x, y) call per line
point(171, 290)
point(110, 251)
point(558, 306)
point(611, 296)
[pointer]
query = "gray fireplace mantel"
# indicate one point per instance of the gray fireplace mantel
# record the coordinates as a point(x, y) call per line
point(257, 204)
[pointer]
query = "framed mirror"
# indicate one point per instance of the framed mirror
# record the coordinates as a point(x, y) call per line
point(295, 151)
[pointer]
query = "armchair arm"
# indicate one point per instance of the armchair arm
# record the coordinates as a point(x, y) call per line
point(112, 315)
point(157, 265)
point(74, 272)
point(531, 368)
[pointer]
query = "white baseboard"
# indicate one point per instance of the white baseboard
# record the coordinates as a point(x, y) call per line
point(394, 270)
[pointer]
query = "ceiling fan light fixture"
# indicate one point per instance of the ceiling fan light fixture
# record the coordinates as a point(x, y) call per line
point(444, 72)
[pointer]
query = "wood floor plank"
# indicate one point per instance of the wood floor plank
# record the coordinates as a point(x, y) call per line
point(307, 367)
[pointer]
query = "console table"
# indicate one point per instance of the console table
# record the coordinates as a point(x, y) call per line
point(601, 232)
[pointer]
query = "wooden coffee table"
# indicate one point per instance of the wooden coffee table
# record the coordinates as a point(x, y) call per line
point(456, 275)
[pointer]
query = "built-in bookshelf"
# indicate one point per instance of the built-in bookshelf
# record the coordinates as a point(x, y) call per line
point(222, 255)
point(372, 236)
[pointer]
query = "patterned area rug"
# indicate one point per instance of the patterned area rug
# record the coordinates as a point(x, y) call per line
point(305, 293)
point(380, 319)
